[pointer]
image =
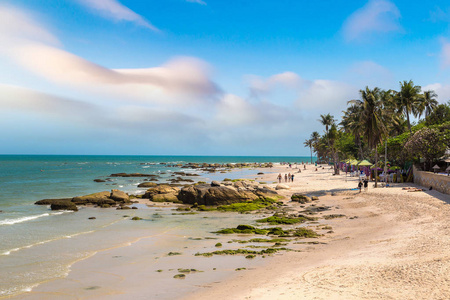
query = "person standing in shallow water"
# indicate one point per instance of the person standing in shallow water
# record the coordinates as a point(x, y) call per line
point(360, 184)
point(366, 185)
point(285, 177)
point(292, 177)
point(279, 177)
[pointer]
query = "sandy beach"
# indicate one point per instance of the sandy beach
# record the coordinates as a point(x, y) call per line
point(391, 244)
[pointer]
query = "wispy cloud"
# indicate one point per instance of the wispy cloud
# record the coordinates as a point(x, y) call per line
point(33, 47)
point(377, 16)
point(197, 1)
point(259, 86)
point(114, 10)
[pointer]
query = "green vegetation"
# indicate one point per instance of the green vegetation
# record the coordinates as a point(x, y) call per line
point(277, 220)
point(243, 229)
point(173, 253)
point(383, 117)
point(249, 206)
point(179, 276)
point(242, 251)
point(218, 245)
point(305, 233)
point(187, 270)
point(136, 218)
point(251, 256)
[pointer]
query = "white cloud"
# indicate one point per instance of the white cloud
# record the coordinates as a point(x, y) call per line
point(377, 16)
point(113, 9)
point(17, 26)
point(442, 90)
point(259, 85)
point(326, 94)
point(32, 46)
point(197, 1)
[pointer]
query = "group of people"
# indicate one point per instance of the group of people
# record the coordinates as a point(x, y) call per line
point(364, 182)
point(287, 177)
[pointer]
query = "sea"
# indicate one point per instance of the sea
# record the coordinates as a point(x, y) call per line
point(38, 245)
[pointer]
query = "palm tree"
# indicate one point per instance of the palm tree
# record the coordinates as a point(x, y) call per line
point(428, 102)
point(408, 100)
point(372, 119)
point(309, 143)
point(327, 121)
point(315, 136)
point(351, 123)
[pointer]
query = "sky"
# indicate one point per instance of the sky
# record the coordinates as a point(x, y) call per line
point(204, 77)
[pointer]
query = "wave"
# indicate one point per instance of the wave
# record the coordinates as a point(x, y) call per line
point(29, 218)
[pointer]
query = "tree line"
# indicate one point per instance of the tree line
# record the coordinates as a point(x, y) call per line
point(383, 117)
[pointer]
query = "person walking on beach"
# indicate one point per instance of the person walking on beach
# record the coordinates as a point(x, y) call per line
point(289, 177)
point(285, 177)
point(279, 177)
point(366, 185)
point(360, 186)
point(292, 177)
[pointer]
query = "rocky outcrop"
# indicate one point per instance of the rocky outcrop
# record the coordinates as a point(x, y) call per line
point(132, 175)
point(63, 205)
point(162, 193)
point(119, 196)
point(302, 199)
point(147, 184)
point(101, 199)
point(91, 198)
point(208, 194)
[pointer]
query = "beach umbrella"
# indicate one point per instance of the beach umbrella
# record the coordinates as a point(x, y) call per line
point(435, 168)
point(365, 163)
point(353, 162)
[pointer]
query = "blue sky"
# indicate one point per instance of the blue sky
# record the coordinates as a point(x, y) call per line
point(208, 77)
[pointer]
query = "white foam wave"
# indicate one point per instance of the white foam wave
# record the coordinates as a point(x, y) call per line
point(28, 218)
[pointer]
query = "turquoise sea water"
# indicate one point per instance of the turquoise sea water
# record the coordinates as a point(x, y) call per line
point(28, 233)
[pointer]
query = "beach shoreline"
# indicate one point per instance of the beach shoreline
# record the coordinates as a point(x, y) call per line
point(372, 241)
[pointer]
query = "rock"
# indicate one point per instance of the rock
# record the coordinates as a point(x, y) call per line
point(136, 218)
point(99, 180)
point(215, 183)
point(119, 196)
point(63, 205)
point(50, 201)
point(132, 175)
point(134, 207)
point(314, 198)
point(282, 187)
point(124, 207)
point(92, 218)
point(162, 193)
point(171, 197)
point(205, 194)
point(300, 198)
point(92, 198)
point(260, 173)
point(147, 184)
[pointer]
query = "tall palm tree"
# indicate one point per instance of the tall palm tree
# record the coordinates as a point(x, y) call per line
point(315, 136)
point(327, 121)
point(408, 100)
point(428, 102)
point(372, 119)
point(309, 143)
point(352, 123)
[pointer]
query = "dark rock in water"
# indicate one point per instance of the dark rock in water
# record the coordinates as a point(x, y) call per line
point(63, 205)
point(92, 218)
point(260, 173)
point(134, 207)
point(119, 196)
point(50, 201)
point(147, 184)
point(91, 198)
point(99, 180)
point(132, 175)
